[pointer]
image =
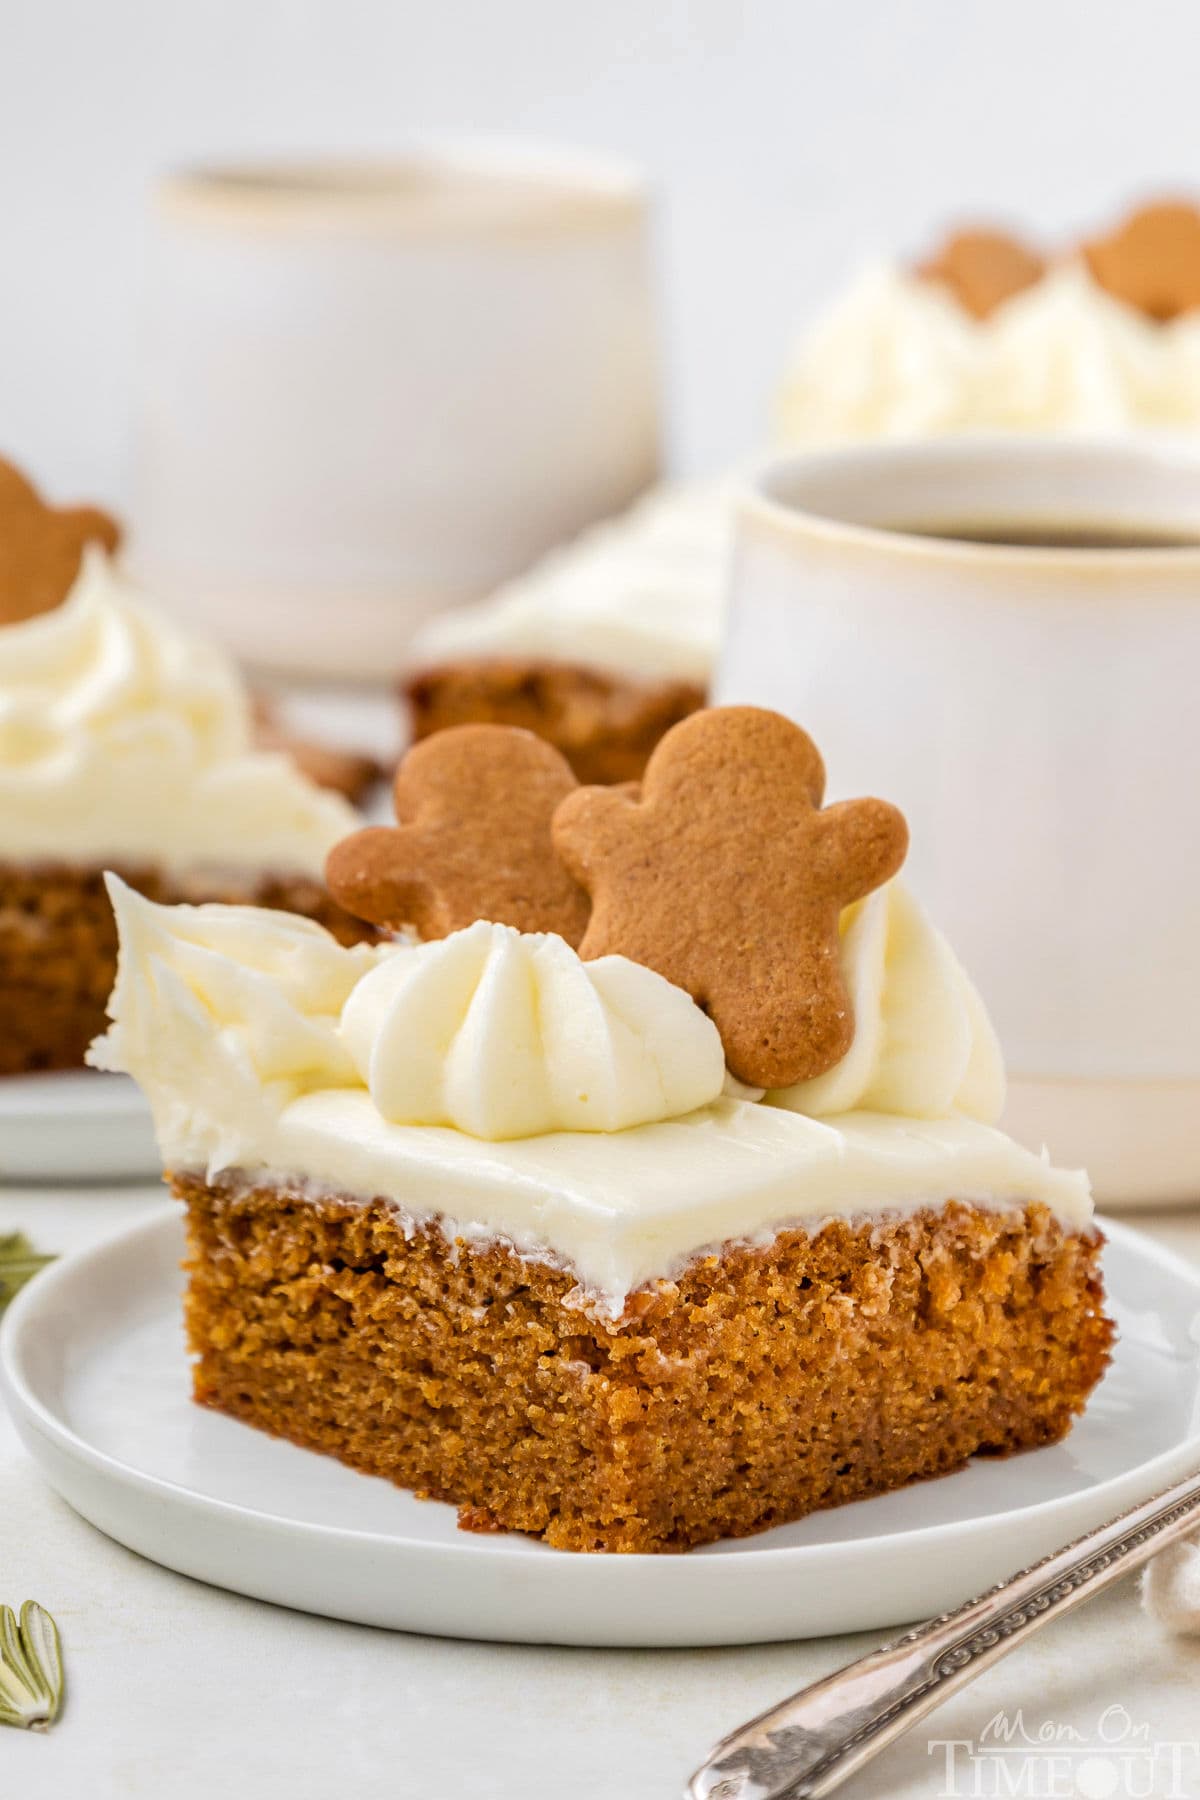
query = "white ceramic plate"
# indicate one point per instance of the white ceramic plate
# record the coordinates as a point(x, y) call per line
point(77, 1125)
point(94, 1368)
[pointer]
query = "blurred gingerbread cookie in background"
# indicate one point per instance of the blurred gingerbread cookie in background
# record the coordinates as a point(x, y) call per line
point(42, 546)
point(983, 268)
point(1152, 259)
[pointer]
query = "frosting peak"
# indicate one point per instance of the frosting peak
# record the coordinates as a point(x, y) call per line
point(123, 739)
point(253, 999)
point(923, 1043)
point(507, 1034)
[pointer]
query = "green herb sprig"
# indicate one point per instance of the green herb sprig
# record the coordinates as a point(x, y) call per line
point(19, 1263)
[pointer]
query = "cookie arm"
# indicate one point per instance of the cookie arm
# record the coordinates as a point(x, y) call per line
point(368, 873)
point(857, 845)
point(89, 525)
point(588, 824)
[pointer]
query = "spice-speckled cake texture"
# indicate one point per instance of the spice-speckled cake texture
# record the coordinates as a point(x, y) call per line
point(755, 1386)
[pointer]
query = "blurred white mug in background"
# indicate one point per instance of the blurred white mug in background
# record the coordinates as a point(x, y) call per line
point(1033, 708)
point(370, 392)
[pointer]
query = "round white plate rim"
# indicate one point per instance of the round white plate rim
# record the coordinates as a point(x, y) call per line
point(599, 1572)
point(89, 1091)
point(77, 1102)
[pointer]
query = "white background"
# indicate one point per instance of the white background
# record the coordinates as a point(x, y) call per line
point(787, 140)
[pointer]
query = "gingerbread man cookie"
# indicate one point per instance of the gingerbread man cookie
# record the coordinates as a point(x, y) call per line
point(982, 269)
point(41, 547)
point(1152, 261)
point(474, 806)
point(728, 877)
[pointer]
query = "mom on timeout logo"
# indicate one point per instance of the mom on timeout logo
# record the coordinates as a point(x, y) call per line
point(1116, 1759)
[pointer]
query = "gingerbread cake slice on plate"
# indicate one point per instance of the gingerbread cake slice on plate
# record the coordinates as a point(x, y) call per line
point(647, 1192)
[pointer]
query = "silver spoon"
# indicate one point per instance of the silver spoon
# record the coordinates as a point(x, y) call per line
point(810, 1744)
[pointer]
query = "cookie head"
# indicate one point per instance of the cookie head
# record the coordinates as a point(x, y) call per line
point(1152, 260)
point(41, 547)
point(727, 875)
point(472, 840)
point(983, 269)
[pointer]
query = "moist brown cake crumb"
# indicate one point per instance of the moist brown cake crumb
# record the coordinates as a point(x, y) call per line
point(604, 725)
point(58, 948)
point(759, 1385)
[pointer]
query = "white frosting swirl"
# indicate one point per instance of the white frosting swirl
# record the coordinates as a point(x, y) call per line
point(894, 358)
point(1065, 356)
point(898, 357)
point(507, 1034)
point(640, 596)
point(225, 1014)
point(122, 738)
point(923, 1043)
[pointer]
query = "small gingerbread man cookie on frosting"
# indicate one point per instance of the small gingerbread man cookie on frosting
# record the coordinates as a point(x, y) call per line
point(41, 547)
point(727, 875)
point(473, 805)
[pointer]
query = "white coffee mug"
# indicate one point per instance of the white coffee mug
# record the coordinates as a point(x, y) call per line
point(370, 392)
point(1036, 712)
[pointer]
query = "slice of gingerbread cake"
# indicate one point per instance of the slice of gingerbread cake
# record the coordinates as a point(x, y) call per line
point(649, 1192)
point(599, 649)
point(125, 743)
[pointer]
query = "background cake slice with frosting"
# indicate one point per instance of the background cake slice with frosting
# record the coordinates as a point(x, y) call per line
point(599, 649)
point(125, 743)
point(485, 1214)
point(991, 333)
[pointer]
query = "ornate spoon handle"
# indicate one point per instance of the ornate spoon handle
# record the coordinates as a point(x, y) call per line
point(809, 1744)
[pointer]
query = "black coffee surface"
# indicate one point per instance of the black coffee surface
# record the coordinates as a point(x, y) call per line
point(1049, 534)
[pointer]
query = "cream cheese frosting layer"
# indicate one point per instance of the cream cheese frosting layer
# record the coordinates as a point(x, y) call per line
point(623, 1209)
point(639, 597)
point(898, 357)
point(122, 738)
point(250, 1033)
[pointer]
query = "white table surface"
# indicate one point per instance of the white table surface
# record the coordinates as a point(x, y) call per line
point(179, 1691)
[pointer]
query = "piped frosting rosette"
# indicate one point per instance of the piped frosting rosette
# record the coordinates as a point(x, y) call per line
point(508, 1034)
point(125, 739)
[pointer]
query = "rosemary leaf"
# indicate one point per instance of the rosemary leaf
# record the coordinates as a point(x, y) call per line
point(31, 1671)
point(19, 1262)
